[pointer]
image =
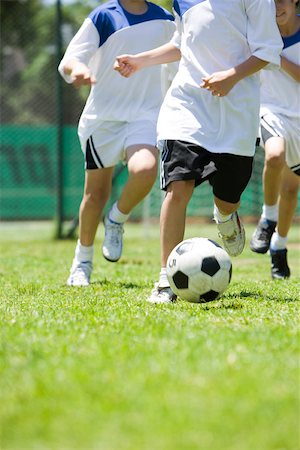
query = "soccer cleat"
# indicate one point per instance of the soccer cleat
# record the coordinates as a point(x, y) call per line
point(232, 234)
point(113, 240)
point(161, 295)
point(80, 273)
point(279, 265)
point(261, 238)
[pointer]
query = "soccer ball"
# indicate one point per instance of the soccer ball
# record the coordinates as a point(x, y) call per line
point(199, 270)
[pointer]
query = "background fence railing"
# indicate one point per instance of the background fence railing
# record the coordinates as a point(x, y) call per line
point(41, 164)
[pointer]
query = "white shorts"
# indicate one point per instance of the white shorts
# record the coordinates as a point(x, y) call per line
point(288, 128)
point(107, 145)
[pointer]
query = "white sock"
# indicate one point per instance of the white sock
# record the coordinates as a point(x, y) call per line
point(270, 212)
point(115, 215)
point(219, 217)
point(163, 279)
point(83, 253)
point(278, 242)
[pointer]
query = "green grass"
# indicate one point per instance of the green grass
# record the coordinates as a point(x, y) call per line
point(98, 368)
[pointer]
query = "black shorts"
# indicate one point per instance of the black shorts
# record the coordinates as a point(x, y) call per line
point(228, 174)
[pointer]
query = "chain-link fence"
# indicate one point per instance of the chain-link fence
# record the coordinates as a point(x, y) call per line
point(41, 161)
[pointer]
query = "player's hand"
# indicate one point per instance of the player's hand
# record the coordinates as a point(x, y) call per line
point(81, 76)
point(219, 83)
point(126, 65)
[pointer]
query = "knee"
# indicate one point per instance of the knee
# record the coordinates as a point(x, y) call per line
point(146, 172)
point(90, 201)
point(95, 199)
point(275, 161)
point(289, 190)
point(180, 192)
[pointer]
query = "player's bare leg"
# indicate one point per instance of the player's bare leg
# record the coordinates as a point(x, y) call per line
point(273, 167)
point(142, 169)
point(172, 226)
point(97, 190)
point(274, 164)
point(287, 207)
point(287, 200)
point(172, 216)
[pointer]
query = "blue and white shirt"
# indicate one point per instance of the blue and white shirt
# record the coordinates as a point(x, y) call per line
point(280, 93)
point(110, 31)
point(215, 35)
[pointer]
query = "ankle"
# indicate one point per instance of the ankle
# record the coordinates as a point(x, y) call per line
point(115, 215)
point(220, 217)
point(84, 253)
point(270, 213)
point(278, 242)
point(163, 279)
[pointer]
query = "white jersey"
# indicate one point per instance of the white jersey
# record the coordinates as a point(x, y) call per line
point(110, 31)
point(280, 93)
point(214, 35)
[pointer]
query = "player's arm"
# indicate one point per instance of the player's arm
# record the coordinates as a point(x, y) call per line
point(79, 72)
point(265, 44)
point(74, 67)
point(221, 83)
point(127, 65)
point(291, 68)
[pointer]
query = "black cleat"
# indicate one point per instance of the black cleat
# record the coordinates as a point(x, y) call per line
point(279, 269)
point(261, 238)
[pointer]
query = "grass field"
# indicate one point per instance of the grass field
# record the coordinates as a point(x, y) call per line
point(98, 368)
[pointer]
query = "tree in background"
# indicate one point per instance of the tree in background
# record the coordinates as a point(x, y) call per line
point(28, 60)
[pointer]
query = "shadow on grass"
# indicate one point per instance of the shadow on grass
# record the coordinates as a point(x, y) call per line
point(120, 284)
point(261, 297)
point(230, 300)
point(221, 304)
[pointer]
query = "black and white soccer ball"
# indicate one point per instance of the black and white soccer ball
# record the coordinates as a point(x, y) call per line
point(199, 270)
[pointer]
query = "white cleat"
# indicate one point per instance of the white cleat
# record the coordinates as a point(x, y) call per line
point(232, 234)
point(80, 273)
point(113, 240)
point(160, 295)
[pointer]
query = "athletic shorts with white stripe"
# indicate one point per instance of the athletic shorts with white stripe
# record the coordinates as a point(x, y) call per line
point(107, 145)
point(288, 128)
point(227, 174)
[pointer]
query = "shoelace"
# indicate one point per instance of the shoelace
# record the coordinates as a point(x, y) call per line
point(232, 237)
point(228, 238)
point(114, 231)
point(157, 290)
point(165, 292)
point(264, 234)
point(81, 271)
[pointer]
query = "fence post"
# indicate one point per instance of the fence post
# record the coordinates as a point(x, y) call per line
point(59, 125)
